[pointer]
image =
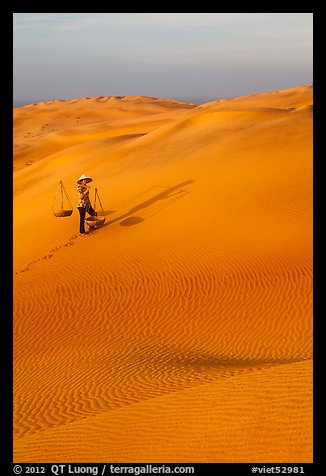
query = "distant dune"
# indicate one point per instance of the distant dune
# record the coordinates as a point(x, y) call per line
point(181, 330)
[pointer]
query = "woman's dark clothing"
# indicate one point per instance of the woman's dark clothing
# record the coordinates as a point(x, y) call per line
point(84, 206)
point(82, 213)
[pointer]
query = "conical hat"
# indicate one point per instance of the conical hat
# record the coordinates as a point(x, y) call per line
point(84, 177)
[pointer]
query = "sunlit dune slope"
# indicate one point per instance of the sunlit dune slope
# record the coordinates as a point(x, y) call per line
point(283, 99)
point(181, 330)
point(47, 127)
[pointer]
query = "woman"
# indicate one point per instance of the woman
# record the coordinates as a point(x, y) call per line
point(84, 204)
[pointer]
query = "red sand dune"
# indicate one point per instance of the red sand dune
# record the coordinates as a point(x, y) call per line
point(181, 330)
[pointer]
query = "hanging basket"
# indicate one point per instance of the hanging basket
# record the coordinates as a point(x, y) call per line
point(61, 206)
point(99, 219)
point(62, 213)
point(95, 221)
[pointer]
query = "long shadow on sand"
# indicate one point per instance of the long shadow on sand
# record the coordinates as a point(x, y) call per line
point(128, 220)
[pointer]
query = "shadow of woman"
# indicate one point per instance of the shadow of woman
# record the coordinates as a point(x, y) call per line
point(169, 192)
point(130, 221)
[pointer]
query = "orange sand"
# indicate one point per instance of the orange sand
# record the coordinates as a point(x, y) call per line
point(181, 331)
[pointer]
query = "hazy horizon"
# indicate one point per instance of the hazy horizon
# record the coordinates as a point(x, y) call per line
point(194, 100)
point(195, 57)
point(198, 100)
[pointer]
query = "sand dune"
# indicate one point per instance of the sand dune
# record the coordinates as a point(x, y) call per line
point(257, 416)
point(47, 127)
point(181, 330)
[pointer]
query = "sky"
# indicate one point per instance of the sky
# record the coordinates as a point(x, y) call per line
point(195, 57)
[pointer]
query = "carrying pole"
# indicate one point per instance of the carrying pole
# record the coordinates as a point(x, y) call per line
point(96, 194)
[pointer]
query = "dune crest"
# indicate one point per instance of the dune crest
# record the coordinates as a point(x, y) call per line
point(181, 330)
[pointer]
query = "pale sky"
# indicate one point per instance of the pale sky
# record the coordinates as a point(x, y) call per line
point(187, 56)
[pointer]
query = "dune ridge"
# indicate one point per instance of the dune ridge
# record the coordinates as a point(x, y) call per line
point(186, 423)
point(182, 329)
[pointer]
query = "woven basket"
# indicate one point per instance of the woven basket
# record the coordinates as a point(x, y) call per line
point(62, 213)
point(95, 221)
